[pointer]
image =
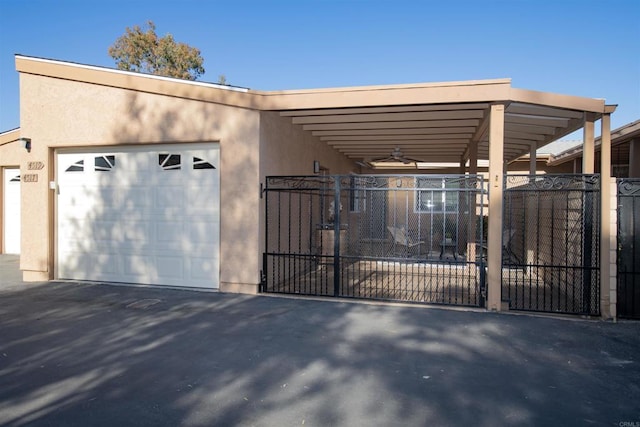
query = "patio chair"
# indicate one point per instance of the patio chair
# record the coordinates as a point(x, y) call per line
point(401, 238)
point(507, 237)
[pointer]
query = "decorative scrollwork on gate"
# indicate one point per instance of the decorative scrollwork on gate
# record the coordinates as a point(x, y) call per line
point(299, 182)
point(628, 186)
point(552, 182)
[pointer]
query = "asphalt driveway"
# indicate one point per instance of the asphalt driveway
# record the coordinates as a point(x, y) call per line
point(88, 354)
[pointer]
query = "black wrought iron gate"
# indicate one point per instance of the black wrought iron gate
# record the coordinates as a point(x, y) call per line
point(628, 259)
point(415, 238)
point(550, 242)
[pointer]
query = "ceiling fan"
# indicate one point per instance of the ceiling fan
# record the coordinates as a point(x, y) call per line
point(395, 157)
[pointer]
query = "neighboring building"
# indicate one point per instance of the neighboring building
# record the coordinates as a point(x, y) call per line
point(625, 153)
point(144, 179)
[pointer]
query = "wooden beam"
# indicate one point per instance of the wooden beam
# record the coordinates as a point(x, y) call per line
point(397, 137)
point(388, 150)
point(422, 155)
point(410, 131)
point(391, 125)
point(539, 110)
point(388, 117)
point(557, 100)
point(523, 135)
point(515, 127)
point(370, 110)
point(517, 141)
point(536, 121)
point(435, 146)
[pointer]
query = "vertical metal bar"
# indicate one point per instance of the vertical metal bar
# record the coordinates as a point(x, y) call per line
point(311, 230)
point(483, 283)
point(266, 232)
point(566, 250)
point(634, 276)
point(336, 239)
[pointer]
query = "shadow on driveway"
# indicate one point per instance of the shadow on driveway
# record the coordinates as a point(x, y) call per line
point(89, 354)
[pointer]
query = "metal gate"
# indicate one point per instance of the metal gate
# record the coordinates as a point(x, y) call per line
point(550, 243)
point(416, 238)
point(628, 259)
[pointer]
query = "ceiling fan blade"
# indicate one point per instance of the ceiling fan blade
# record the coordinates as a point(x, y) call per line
point(412, 160)
point(383, 159)
point(365, 163)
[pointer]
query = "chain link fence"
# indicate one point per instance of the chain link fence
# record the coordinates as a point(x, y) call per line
point(550, 241)
point(628, 250)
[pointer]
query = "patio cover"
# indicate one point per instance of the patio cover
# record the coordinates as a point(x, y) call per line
point(436, 122)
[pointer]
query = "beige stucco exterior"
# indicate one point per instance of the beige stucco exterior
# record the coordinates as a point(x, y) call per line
point(65, 105)
point(59, 113)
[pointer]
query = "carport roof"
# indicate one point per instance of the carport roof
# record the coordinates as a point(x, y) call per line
point(434, 122)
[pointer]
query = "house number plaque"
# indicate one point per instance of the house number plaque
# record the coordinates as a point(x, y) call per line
point(35, 166)
point(30, 177)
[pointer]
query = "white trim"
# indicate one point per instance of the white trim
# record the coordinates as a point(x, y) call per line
point(9, 131)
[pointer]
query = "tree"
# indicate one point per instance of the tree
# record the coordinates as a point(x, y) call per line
point(141, 50)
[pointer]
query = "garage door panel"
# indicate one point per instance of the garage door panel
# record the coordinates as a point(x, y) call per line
point(135, 198)
point(134, 163)
point(197, 201)
point(167, 231)
point(134, 231)
point(202, 268)
point(170, 267)
point(203, 232)
point(140, 220)
point(108, 263)
point(78, 266)
point(137, 265)
point(169, 196)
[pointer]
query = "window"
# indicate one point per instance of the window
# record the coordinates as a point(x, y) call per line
point(620, 171)
point(198, 163)
point(436, 195)
point(169, 161)
point(105, 163)
point(76, 167)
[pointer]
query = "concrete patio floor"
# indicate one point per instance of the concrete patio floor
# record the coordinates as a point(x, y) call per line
point(80, 354)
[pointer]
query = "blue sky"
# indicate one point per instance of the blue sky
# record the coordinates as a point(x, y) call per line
point(586, 48)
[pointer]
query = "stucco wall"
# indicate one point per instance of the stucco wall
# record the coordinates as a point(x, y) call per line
point(59, 113)
point(286, 149)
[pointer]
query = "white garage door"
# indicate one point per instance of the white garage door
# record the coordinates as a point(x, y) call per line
point(11, 214)
point(140, 215)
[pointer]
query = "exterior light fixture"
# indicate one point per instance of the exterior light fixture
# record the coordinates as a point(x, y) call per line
point(25, 143)
point(316, 167)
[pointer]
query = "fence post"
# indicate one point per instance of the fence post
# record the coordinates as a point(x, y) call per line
point(496, 186)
